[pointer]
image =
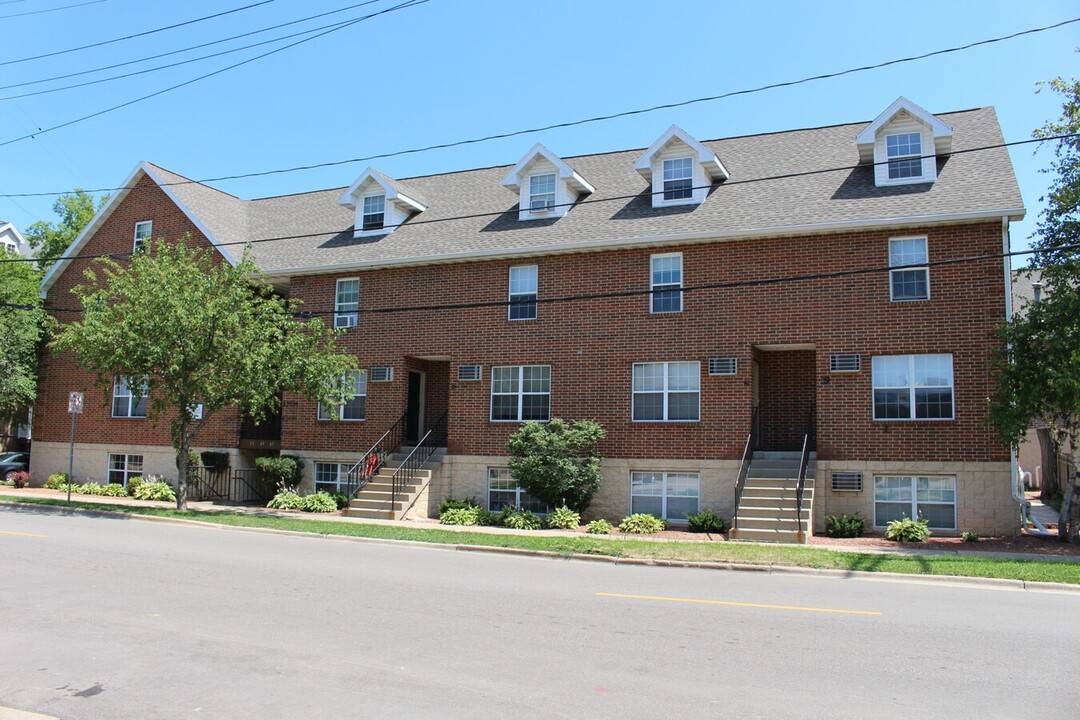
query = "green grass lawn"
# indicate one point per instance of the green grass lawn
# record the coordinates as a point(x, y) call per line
point(692, 551)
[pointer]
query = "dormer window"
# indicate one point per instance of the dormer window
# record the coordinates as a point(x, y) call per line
point(905, 155)
point(542, 193)
point(381, 203)
point(545, 185)
point(678, 178)
point(374, 212)
point(904, 143)
point(680, 169)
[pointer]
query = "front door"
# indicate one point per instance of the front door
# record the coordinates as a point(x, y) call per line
point(414, 411)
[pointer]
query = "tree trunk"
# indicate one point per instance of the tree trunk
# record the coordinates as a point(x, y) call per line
point(1050, 482)
point(1067, 524)
point(182, 466)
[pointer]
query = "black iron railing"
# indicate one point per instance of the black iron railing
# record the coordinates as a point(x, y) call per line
point(744, 467)
point(208, 483)
point(375, 458)
point(809, 441)
point(247, 485)
point(410, 467)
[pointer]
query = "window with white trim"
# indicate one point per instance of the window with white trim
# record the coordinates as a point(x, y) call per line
point(347, 303)
point(522, 293)
point(913, 387)
point(667, 391)
point(129, 397)
point(123, 467)
point(909, 283)
point(904, 152)
point(331, 477)
point(504, 492)
point(374, 212)
point(143, 232)
point(678, 179)
point(542, 193)
point(8, 246)
point(667, 495)
point(931, 498)
point(354, 400)
point(520, 393)
point(665, 283)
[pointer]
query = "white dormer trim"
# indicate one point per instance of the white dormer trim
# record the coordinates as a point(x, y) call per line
point(539, 161)
point(11, 238)
point(676, 144)
point(399, 206)
point(904, 117)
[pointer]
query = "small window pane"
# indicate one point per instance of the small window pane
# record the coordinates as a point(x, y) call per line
point(648, 406)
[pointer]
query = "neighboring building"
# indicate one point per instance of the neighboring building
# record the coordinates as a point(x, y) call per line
point(12, 240)
point(665, 292)
point(15, 426)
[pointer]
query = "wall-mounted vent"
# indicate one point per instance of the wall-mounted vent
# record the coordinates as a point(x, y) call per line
point(723, 365)
point(382, 374)
point(847, 482)
point(468, 373)
point(845, 363)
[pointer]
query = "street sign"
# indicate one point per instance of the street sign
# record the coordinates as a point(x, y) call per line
point(75, 403)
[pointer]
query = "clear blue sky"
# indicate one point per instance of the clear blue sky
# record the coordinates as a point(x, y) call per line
point(449, 70)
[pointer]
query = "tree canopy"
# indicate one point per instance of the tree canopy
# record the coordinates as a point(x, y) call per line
point(75, 210)
point(557, 461)
point(195, 330)
point(20, 328)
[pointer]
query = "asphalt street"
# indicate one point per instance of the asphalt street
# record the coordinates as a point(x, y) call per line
point(104, 617)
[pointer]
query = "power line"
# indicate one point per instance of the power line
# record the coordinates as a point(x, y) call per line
point(135, 35)
point(408, 4)
point(49, 10)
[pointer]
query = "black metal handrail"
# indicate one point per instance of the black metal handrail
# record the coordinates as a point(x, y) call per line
point(375, 458)
point(433, 438)
point(804, 460)
point(208, 483)
point(744, 466)
point(249, 485)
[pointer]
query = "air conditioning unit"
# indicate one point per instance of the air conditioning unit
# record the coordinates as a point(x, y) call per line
point(846, 481)
point(468, 373)
point(845, 363)
point(382, 373)
point(541, 206)
point(345, 321)
point(723, 365)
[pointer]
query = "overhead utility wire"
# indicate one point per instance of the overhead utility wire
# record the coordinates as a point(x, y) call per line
point(587, 201)
point(186, 49)
point(135, 35)
point(49, 10)
point(410, 3)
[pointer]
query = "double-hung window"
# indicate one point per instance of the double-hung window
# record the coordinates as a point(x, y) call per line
point(931, 498)
point(909, 283)
point(666, 495)
point(520, 393)
point(522, 292)
point(542, 193)
point(665, 283)
point(504, 492)
point(904, 152)
point(129, 397)
point(913, 387)
point(354, 400)
point(667, 391)
point(347, 303)
point(331, 477)
point(678, 179)
point(123, 467)
point(374, 212)
point(143, 231)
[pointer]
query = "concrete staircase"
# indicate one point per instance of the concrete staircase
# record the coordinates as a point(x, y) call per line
point(767, 509)
point(374, 500)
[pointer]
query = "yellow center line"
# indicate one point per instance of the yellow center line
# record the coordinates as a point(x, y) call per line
point(740, 604)
point(12, 532)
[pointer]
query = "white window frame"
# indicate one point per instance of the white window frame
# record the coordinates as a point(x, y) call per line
point(372, 212)
point(900, 258)
point(522, 499)
point(911, 386)
point(666, 479)
point(665, 391)
point(144, 233)
point(124, 388)
point(340, 472)
point(901, 160)
point(521, 299)
point(542, 200)
point(519, 392)
point(346, 314)
point(655, 288)
point(341, 412)
point(673, 170)
point(915, 504)
point(125, 471)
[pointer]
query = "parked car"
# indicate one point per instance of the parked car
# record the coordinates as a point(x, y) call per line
point(13, 462)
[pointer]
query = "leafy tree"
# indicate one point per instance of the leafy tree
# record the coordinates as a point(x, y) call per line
point(20, 327)
point(557, 461)
point(1039, 367)
point(201, 332)
point(75, 210)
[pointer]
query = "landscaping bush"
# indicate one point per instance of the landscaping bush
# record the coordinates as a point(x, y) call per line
point(907, 530)
point(844, 526)
point(88, 489)
point(157, 490)
point(558, 462)
point(341, 499)
point(19, 478)
point(319, 502)
point(968, 536)
point(563, 518)
point(706, 521)
point(641, 524)
point(486, 517)
point(57, 481)
point(599, 526)
point(214, 460)
point(114, 490)
point(283, 471)
point(523, 520)
point(460, 516)
point(133, 484)
point(286, 500)
point(449, 503)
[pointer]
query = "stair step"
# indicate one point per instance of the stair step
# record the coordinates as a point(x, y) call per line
point(369, 514)
point(781, 455)
point(774, 536)
point(362, 503)
point(377, 485)
point(771, 523)
point(786, 512)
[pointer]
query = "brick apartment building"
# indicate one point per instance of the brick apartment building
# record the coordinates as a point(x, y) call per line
point(689, 297)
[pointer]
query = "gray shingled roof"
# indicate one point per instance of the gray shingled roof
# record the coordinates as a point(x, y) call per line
point(471, 213)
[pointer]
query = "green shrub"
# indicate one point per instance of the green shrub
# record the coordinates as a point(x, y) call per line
point(320, 502)
point(57, 481)
point(460, 516)
point(340, 499)
point(641, 524)
point(133, 484)
point(19, 478)
point(563, 518)
point(214, 460)
point(558, 462)
point(488, 518)
point(286, 500)
point(157, 490)
point(972, 537)
point(907, 530)
point(449, 503)
point(523, 520)
point(599, 526)
point(844, 526)
point(88, 489)
point(114, 490)
point(706, 521)
point(284, 471)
